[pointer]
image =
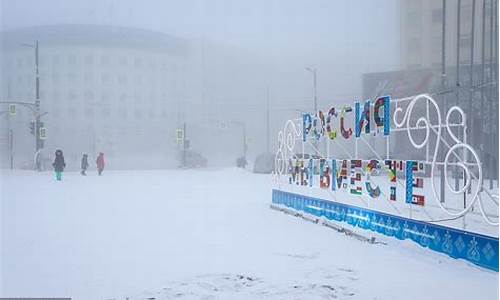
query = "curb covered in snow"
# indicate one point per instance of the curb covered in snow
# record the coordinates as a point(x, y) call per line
point(324, 222)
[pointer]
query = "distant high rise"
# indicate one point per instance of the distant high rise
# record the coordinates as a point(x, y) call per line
point(421, 32)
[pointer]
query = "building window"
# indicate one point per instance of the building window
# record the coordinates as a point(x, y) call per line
point(71, 77)
point(138, 79)
point(414, 46)
point(55, 60)
point(88, 60)
point(465, 41)
point(105, 79)
point(89, 112)
point(137, 62)
point(151, 113)
point(88, 97)
point(137, 97)
point(104, 98)
point(72, 96)
point(88, 78)
point(29, 61)
point(122, 61)
point(123, 99)
point(105, 60)
point(122, 111)
point(71, 112)
point(152, 64)
point(122, 79)
point(138, 113)
point(437, 15)
point(55, 97)
point(43, 94)
point(55, 77)
point(106, 111)
point(71, 60)
point(42, 61)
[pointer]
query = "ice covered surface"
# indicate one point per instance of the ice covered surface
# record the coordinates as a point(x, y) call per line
point(200, 235)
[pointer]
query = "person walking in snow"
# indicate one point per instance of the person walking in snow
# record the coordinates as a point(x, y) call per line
point(59, 164)
point(100, 163)
point(85, 164)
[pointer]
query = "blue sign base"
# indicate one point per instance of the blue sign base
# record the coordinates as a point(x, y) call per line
point(476, 248)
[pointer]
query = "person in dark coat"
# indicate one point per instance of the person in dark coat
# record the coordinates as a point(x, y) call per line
point(59, 164)
point(100, 163)
point(85, 164)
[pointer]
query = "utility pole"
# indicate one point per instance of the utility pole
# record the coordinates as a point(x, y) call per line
point(468, 130)
point(37, 100)
point(457, 83)
point(491, 100)
point(184, 146)
point(245, 142)
point(483, 127)
point(495, 165)
point(11, 148)
point(471, 79)
point(11, 135)
point(443, 87)
point(267, 120)
point(244, 137)
point(38, 141)
point(313, 72)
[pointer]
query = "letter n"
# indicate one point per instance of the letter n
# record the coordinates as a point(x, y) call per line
point(362, 118)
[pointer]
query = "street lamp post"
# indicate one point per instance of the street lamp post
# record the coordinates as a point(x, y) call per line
point(313, 72)
point(244, 132)
point(267, 120)
point(38, 144)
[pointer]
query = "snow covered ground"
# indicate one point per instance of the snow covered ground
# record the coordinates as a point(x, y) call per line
point(206, 234)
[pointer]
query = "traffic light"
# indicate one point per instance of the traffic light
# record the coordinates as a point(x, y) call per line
point(32, 127)
point(179, 135)
point(42, 133)
point(12, 109)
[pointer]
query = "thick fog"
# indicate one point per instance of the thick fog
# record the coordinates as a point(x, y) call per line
point(125, 86)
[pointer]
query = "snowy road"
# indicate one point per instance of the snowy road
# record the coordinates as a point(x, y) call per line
point(200, 235)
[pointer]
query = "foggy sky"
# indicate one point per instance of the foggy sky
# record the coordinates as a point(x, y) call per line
point(304, 28)
point(341, 39)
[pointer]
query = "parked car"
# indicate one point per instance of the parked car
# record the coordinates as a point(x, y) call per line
point(264, 163)
point(241, 162)
point(194, 160)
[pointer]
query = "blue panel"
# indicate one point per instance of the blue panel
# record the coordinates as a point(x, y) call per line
point(476, 248)
point(409, 181)
point(334, 175)
point(361, 117)
point(387, 115)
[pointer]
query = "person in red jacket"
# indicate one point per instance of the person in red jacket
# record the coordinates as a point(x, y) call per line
point(100, 163)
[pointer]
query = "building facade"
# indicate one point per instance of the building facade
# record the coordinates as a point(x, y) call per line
point(421, 23)
point(104, 89)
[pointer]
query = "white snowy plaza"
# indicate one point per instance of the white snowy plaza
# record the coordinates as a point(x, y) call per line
point(206, 234)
